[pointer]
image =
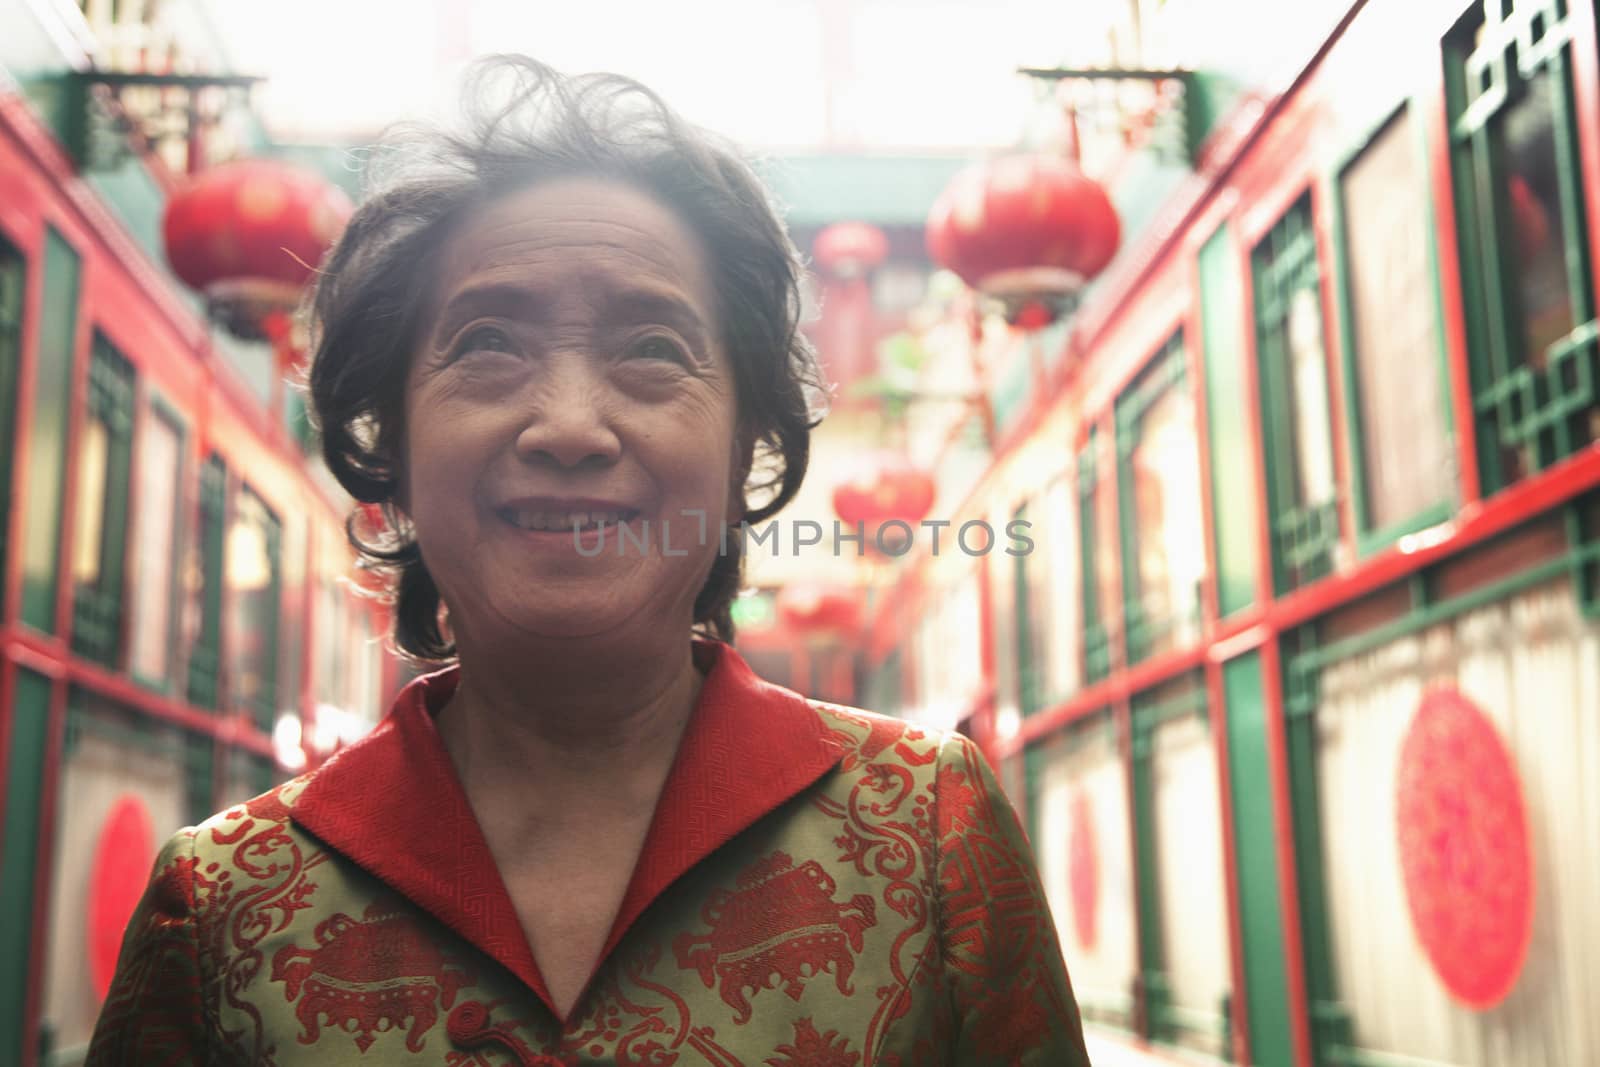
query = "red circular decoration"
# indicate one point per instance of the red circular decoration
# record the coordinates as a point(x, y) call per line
point(1465, 852)
point(249, 234)
point(122, 858)
point(1084, 871)
point(850, 249)
point(1023, 221)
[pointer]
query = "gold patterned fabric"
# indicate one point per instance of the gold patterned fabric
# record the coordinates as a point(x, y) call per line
point(820, 887)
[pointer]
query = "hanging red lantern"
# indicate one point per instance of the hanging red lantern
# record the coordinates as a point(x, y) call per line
point(1027, 230)
point(850, 249)
point(884, 489)
point(249, 234)
point(812, 609)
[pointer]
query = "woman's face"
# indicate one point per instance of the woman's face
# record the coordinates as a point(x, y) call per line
point(570, 370)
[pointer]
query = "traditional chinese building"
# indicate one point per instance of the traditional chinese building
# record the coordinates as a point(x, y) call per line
point(1299, 685)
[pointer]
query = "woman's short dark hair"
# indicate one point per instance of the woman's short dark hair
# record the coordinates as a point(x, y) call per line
point(527, 124)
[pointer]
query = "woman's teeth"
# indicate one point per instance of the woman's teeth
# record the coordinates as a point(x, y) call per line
point(550, 520)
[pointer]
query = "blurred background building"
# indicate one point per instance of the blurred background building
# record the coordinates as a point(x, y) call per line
point(1274, 324)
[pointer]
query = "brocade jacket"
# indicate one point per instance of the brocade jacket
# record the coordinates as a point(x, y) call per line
point(819, 887)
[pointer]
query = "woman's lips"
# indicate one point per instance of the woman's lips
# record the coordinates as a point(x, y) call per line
point(594, 532)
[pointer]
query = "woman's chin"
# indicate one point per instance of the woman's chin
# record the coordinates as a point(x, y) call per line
point(561, 618)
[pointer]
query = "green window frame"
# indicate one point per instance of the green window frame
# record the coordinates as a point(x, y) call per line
point(1095, 643)
point(23, 789)
point(13, 293)
point(205, 576)
point(1366, 407)
point(91, 713)
point(1164, 1022)
point(1534, 378)
point(1146, 628)
point(1302, 491)
point(50, 405)
point(105, 466)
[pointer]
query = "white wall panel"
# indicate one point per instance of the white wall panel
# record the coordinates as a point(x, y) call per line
point(1102, 973)
point(1533, 665)
point(1189, 874)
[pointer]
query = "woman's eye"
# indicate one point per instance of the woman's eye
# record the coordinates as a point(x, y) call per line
point(484, 339)
point(658, 348)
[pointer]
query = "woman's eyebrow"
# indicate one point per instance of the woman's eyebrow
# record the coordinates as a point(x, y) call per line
point(659, 305)
point(490, 299)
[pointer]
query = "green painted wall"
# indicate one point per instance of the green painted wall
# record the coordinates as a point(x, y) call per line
point(1256, 860)
point(1232, 477)
point(19, 848)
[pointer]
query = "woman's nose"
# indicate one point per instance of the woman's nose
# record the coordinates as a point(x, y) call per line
point(571, 422)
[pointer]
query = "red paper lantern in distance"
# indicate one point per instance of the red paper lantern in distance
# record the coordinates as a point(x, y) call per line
point(854, 501)
point(121, 865)
point(1024, 223)
point(904, 492)
point(848, 250)
point(249, 234)
point(812, 608)
point(885, 488)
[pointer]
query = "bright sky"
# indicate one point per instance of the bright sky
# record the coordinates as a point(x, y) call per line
point(904, 73)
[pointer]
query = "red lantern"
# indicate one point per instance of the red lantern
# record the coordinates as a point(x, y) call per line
point(887, 488)
point(1026, 228)
point(850, 249)
point(809, 608)
point(249, 234)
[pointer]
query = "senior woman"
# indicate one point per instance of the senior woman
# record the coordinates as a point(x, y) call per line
point(595, 836)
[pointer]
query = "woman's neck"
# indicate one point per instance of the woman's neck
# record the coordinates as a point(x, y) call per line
point(557, 721)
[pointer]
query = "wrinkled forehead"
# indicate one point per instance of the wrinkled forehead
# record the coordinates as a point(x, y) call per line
point(603, 231)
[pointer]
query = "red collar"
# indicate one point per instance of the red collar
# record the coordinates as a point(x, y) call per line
point(391, 802)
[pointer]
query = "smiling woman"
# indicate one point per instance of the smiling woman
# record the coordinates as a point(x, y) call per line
point(594, 836)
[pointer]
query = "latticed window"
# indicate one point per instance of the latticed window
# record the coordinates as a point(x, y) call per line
point(1158, 462)
point(1046, 603)
point(1097, 540)
point(1302, 495)
point(1404, 465)
point(1533, 339)
point(253, 576)
point(203, 581)
point(105, 453)
point(13, 283)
